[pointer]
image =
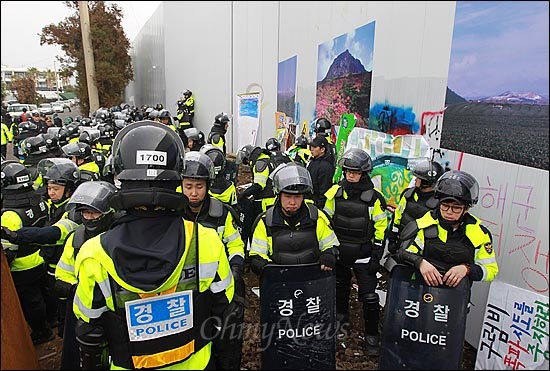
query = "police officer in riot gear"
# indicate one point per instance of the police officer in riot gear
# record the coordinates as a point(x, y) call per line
point(448, 243)
point(198, 174)
point(274, 147)
point(222, 188)
point(91, 201)
point(186, 110)
point(22, 207)
point(299, 151)
point(415, 201)
point(218, 131)
point(195, 139)
point(358, 211)
point(151, 255)
point(81, 154)
point(292, 231)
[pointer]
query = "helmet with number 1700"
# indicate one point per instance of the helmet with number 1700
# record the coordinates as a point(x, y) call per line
point(147, 150)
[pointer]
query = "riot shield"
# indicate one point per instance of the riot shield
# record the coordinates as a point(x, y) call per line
point(298, 317)
point(231, 171)
point(424, 325)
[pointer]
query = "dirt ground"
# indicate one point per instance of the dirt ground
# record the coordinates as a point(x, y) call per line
point(349, 356)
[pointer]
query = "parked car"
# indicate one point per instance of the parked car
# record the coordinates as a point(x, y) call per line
point(58, 107)
point(16, 110)
point(45, 108)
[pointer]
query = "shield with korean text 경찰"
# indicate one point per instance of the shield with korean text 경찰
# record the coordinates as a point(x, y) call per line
point(424, 325)
point(298, 317)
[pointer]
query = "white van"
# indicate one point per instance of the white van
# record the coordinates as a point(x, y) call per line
point(16, 110)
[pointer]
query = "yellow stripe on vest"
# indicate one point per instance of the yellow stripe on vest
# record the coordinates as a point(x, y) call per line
point(164, 358)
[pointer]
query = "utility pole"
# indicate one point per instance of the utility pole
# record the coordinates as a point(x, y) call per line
point(88, 56)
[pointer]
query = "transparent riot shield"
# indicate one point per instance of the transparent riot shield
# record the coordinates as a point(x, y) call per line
point(424, 325)
point(298, 316)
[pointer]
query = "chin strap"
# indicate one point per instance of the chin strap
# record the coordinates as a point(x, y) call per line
point(130, 198)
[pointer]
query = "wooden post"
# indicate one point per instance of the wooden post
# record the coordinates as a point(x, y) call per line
point(88, 56)
point(18, 351)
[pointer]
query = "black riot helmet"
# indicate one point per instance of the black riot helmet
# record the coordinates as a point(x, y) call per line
point(92, 195)
point(165, 114)
point(292, 178)
point(273, 144)
point(15, 176)
point(187, 93)
point(356, 159)
point(322, 125)
point(90, 136)
point(34, 146)
point(198, 165)
point(216, 155)
point(302, 141)
point(60, 171)
point(52, 142)
point(197, 136)
point(457, 185)
point(245, 154)
point(147, 150)
point(428, 171)
point(221, 119)
point(78, 149)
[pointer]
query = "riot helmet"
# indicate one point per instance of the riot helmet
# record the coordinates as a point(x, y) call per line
point(302, 141)
point(15, 176)
point(187, 93)
point(165, 114)
point(221, 119)
point(147, 150)
point(93, 195)
point(245, 154)
point(159, 107)
point(90, 136)
point(356, 159)
point(34, 146)
point(216, 155)
point(457, 185)
point(153, 115)
point(198, 165)
point(273, 144)
point(52, 143)
point(322, 125)
point(197, 136)
point(292, 178)
point(60, 171)
point(79, 150)
point(427, 171)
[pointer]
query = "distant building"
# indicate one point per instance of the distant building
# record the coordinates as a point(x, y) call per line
point(46, 81)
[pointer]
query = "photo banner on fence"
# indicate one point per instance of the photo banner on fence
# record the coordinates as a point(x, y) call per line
point(248, 118)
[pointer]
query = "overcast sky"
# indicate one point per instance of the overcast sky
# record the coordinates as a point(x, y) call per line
point(22, 21)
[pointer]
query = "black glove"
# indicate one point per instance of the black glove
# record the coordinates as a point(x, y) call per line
point(257, 263)
point(237, 271)
point(393, 242)
point(376, 255)
point(327, 258)
point(8, 234)
point(406, 257)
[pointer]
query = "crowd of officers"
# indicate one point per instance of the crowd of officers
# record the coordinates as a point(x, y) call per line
point(132, 206)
